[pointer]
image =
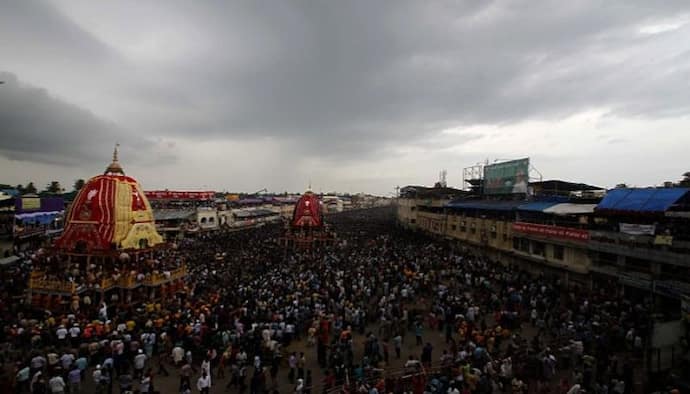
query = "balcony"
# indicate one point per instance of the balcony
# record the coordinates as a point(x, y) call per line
point(158, 279)
point(37, 283)
point(641, 247)
point(52, 286)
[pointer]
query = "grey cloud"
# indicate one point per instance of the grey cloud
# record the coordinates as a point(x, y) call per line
point(36, 126)
point(347, 79)
point(382, 72)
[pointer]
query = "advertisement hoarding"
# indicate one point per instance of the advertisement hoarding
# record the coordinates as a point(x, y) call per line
point(509, 177)
point(179, 195)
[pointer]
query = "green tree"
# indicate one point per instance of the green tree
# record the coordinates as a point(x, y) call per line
point(78, 184)
point(30, 189)
point(685, 182)
point(54, 187)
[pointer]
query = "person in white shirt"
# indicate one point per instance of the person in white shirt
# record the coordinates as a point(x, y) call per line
point(206, 367)
point(139, 364)
point(61, 333)
point(97, 375)
point(103, 312)
point(177, 354)
point(204, 383)
point(56, 385)
point(300, 386)
point(74, 331)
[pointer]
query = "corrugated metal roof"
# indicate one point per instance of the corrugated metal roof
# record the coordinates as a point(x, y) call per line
point(253, 213)
point(537, 206)
point(172, 214)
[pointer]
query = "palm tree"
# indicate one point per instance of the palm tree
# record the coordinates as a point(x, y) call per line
point(54, 187)
point(30, 189)
point(78, 184)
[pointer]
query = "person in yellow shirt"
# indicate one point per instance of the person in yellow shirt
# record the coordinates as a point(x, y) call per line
point(131, 325)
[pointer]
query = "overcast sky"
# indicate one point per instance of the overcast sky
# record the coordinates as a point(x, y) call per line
point(356, 96)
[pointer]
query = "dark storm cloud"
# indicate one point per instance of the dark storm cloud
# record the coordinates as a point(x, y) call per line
point(348, 78)
point(38, 127)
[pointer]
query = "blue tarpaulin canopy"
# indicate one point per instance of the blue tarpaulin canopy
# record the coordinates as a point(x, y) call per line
point(641, 200)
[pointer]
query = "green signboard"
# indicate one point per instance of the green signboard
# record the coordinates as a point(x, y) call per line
point(509, 177)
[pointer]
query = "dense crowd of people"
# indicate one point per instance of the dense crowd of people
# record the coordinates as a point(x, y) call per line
point(382, 310)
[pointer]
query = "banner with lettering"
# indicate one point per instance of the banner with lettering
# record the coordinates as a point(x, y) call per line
point(636, 229)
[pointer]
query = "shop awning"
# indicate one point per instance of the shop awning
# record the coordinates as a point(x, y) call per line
point(571, 209)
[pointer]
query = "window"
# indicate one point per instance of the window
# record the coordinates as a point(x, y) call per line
point(524, 245)
point(538, 248)
point(558, 252)
point(505, 237)
point(453, 227)
point(413, 221)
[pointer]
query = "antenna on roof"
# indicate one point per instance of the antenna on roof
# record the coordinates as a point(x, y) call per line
point(442, 178)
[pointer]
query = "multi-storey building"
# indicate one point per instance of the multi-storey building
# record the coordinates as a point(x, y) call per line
point(636, 241)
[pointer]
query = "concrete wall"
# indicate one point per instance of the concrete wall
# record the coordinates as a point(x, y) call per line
point(493, 237)
point(207, 218)
point(407, 212)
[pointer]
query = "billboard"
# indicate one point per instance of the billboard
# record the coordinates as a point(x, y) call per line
point(509, 177)
point(179, 195)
